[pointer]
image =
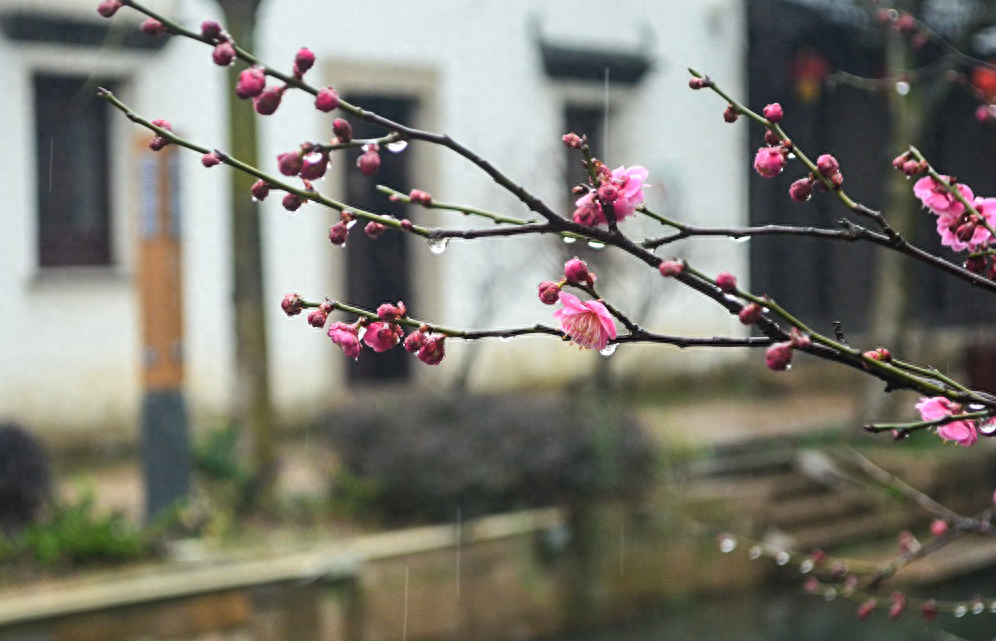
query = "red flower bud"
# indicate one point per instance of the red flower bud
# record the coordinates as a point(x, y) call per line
point(576, 272)
point(211, 30)
point(827, 165)
point(419, 197)
point(317, 318)
point(771, 138)
point(290, 163)
point(251, 83)
point(726, 282)
point(292, 304)
point(779, 356)
point(373, 229)
point(730, 114)
point(291, 202)
point(314, 166)
point(866, 608)
point(342, 130)
point(338, 233)
point(223, 54)
point(938, 527)
point(432, 350)
point(773, 112)
point(108, 8)
point(573, 140)
point(267, 102)
point(210, 160)
point(260, 189)
point(750, 314)
point(303, 60)
point(368, 162)
point(152, 27)
point(929, 610)
point(327, 99)
point(549, 292)
point(698, 83)
point(801, 190)
point(671, 267)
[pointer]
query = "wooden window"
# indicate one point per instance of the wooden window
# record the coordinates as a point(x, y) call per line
point(71, 143)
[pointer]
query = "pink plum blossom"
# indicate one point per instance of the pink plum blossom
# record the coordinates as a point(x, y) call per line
point(432, 350)
point(937, 407)
point(588, 323)
point(345, 336)
point(949, 224)
point(627, 183)
point(934, 196)
point(381, 337)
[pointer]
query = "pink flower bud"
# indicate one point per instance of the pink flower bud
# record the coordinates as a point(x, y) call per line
point(314, 166)
point(260, 189)
point(698, 83)
point(769, 161)
point(771, 138)
point(338, 233)
point(389, 312)
point(303, 60)
point(368, 162)
point(750, 314)
point(900, 160)
point(811, 585)
point(419, 197)
point(671, 267)
point(726, 282)
point(576, 272)
point(827, 165)
point(966, 232)
point(801, 190)
point(317, 318)
point(865, 609)
point(818, 556)
point(327, 99)
point(608, 193)
point(910, 168)
point(413, 342)
point(291, 202)
point(157, 143)
point(223, 54)
point(906, 23)
point(211, 30)
point(268, 100)
point(773, 112)
point(879, 354)
point(292, 304)
point(800, 340)
point(251, 83)
point(162, 124)
point(898, 605)
point(152, 27)
point(573, 141)
point(929, 610)
point(730, 114)
point(342, 130)
point(432, 350)
point(108, 8)
point(938, 527)
point(589, 212)
point(290, 163)
point(210, 160)
point(406, 224)
point(549, 292)
point(982, 113)
point(779, 356)
point(373, 229)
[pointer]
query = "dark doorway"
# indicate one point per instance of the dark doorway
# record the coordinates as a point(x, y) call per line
point(379, 271)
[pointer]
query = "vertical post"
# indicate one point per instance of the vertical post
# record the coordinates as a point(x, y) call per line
point(165, 434)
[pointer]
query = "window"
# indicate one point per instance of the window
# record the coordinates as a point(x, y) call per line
point(71, 142)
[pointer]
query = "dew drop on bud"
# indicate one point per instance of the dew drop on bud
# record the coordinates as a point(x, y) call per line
point(830, 594)
point(978, 608)
point(504, 339)
point(782, 558)
point(350, 224)
point(726, 543)
point(361, 331)
point(790, 156)
point(570, 240)
point(397, 146)
point(960, 611)
point(594, 244)
point(755, 553)
point(806, 566)
point(992, 607)
point(438, 245)
point(609, 350)
point(902, 87)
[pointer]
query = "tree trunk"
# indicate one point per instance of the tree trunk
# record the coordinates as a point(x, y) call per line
point(253, 409)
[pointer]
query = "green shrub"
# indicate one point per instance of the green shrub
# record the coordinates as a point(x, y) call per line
point(422, 459)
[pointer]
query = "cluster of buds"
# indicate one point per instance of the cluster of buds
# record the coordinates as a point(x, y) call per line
point(428, 347)
point(620, 189)
point(908, 165)
point(904, 23)
point(308, 162)
point(985, 113)
point(419, 197)
point(574, 141)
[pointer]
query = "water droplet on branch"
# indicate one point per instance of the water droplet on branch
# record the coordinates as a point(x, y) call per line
point(806, 566)
point(782, 558)
point(727, 544)
point(902, 87)
point(438, 245)
point(960, 611)
point(609, 349)
point(755, 553)
point(594, 244)
point(397, 146)
point(570, 240)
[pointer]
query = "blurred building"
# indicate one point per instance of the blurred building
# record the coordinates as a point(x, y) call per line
point(507, 79)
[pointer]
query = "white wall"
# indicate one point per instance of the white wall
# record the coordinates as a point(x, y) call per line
point(73, 357)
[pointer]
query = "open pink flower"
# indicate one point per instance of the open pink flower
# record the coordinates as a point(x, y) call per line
point(588, 323)
point(949, 224)
point(628, 183)
point(381, 337)
point(345, 336)
point(937, 407)
point(934, 196)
